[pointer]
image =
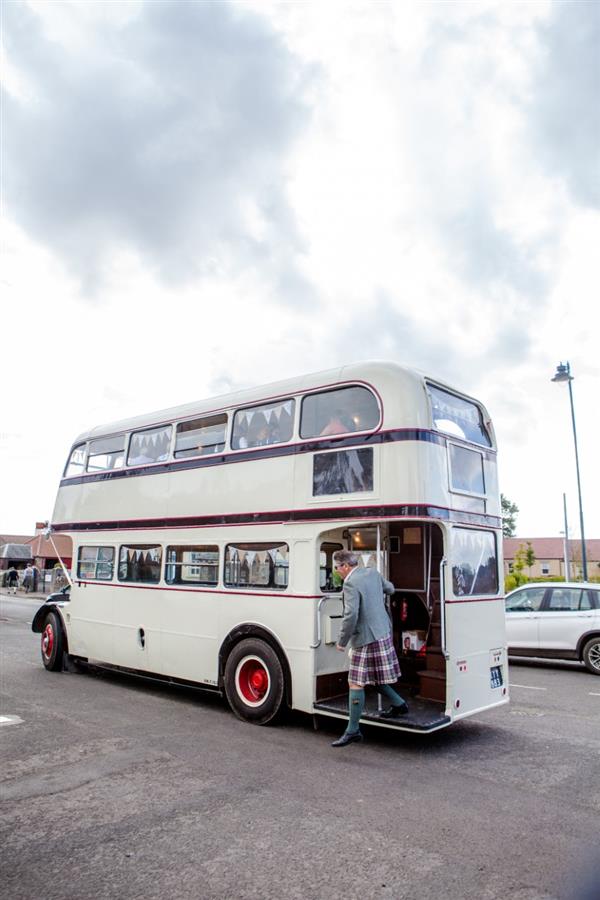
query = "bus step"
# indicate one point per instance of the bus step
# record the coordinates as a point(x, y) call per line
point(432, 685)
point(435, 659)
point(424, 715)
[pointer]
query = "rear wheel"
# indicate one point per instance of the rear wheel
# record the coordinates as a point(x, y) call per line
point(254, 681)
point(591, 655)
point(53, 643)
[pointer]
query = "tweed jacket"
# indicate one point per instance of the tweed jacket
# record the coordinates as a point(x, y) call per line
point(366, 618)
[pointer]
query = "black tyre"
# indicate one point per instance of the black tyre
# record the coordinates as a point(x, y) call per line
point(254, 681)
point(53, 643)
point(591, 655)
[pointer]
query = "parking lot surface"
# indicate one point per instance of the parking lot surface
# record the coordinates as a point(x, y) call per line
point(116, 787)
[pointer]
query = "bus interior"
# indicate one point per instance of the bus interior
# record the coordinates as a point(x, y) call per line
point(410, 556)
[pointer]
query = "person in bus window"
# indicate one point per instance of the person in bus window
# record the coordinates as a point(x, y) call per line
point(339, 423)
point(366, 626)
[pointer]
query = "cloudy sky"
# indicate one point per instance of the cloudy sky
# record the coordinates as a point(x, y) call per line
point(200, 196)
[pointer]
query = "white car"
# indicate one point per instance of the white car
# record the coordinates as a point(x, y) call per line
point(555, 620)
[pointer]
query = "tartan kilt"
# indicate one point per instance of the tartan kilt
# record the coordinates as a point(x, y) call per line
point(374, 663)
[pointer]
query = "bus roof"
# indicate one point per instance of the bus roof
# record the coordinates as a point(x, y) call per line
point(384, 376)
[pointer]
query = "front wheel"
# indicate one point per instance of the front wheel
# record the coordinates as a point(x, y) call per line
point(591, 655)
point(53, 643)
point(254, 681)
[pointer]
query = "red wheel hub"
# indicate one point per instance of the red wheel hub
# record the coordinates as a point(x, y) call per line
point(48, 641)
point(253, 681)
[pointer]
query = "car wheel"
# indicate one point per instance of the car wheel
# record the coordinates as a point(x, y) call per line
point(591, 655)
point(254, 681)
point(53, 642)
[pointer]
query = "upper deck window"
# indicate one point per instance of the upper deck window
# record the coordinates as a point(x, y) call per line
point(149, 446)
point(459, 417)
point(201, 436)
point(338, 412)
point(106, 453)
point(270, 423)
point(466, 470)
point(76, 462)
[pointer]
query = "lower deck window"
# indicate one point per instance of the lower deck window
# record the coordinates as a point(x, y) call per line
point(140, 562)
point(257, 565)
point(95, 563)
point(329, 580)
point(192, 565)
point(474, 562)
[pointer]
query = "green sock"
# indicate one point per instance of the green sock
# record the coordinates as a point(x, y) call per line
point(356, 704)
point(394, 698)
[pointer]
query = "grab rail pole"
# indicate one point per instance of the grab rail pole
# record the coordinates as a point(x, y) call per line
point(443, 564)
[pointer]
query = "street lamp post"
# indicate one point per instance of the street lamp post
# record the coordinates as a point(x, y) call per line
point(566, 541)
point(563, 373)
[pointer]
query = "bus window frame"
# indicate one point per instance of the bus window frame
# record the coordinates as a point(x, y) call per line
point(485, 422)
point(463, 491)
point(190, 584)
point(451, 560)
point(329, 390)
point(200, 418)
point(157, 462)
point(97, 562)
point(139, 546)
point(266, 545)
point(245, 408)
point(86, 447)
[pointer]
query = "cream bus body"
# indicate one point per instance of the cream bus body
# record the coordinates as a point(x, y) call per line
point(410, 483)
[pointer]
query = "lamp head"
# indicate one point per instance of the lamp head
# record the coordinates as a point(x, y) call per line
point(563, 373)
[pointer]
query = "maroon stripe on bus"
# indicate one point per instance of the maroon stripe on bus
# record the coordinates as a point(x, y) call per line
point(280, 517)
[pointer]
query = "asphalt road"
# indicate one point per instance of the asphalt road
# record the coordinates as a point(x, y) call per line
point(116, 788)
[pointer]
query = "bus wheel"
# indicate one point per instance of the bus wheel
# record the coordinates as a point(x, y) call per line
point(591, 655)
point(52, 643)
point(254, 681)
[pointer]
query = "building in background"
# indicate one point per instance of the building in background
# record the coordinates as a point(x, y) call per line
point(550, 557)
point(19, 550)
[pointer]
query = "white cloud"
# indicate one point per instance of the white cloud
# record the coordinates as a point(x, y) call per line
point(250, 191)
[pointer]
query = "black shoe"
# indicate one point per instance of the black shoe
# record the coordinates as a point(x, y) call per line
point(394, 711)
point(347, 739)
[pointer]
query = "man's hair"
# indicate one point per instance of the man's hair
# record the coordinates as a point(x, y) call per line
point(345, 558)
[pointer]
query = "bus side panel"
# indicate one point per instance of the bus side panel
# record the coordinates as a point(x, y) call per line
point(263, 484)
point(475, 635)
point(137, 622)
point(89, 621)
point(189, 629)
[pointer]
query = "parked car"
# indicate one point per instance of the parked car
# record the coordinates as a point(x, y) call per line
point(555, 620)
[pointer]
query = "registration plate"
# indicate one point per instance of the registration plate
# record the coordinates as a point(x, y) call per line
point(496, 676)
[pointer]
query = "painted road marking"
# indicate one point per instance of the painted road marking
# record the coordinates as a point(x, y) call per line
point(594, 694)
point(528, 687)
point(10, 720)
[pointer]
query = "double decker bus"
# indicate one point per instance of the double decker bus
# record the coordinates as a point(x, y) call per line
point(203, 538)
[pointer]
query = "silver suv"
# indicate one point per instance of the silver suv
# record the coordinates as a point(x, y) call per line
point(555, 620)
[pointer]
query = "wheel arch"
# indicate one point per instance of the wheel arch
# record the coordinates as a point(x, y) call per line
point(595, 633)
point(37, 624)
point(253, 630)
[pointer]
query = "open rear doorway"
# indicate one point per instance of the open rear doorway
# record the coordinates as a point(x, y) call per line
point(410, 554)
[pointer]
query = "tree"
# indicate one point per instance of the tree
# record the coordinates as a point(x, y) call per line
point(529, 557)
point(509, 516)
point(519, 564)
